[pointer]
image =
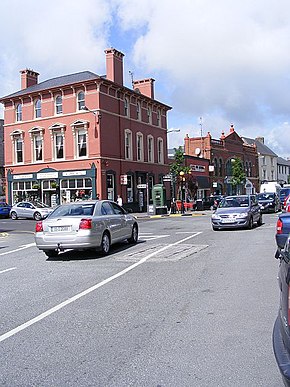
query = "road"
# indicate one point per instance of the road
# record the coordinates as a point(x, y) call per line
point(186, 306)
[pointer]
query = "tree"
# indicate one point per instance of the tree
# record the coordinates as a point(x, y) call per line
point(178, 166)
point(238, 173)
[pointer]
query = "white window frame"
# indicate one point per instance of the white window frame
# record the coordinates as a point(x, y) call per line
point(81, 103)
point(149, 114)
point(17, 138)
point(58, 105)
point(80, 128)
point(128, 145)
point(126, 107)
point(55, 131)
point(158, 117)
point(139, 147)
point(18, 111)
point(138, 111)
point(36, 133)
point(37, 108)
point(160, 151)
point(150, 148)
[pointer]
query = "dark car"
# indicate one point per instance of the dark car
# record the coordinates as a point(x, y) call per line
point(282, 231)
point(209, 202)
point(4, 210)
point(269, 202)
point(237, 211)
point(281, 330)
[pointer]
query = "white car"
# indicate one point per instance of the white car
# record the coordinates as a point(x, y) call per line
point(30, 210)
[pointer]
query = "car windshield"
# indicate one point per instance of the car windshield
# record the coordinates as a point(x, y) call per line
point(74, 209)
point(265, 196)
point(39, 205)
point(237, 201)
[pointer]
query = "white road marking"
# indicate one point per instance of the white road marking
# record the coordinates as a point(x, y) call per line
point(89, 290)
point(151, 237)
point(23, 247)
point(4, 271)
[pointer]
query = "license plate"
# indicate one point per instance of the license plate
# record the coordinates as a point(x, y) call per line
point(60, 228)
point(228, 221)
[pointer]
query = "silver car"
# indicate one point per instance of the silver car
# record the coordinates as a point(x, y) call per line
point(237, 211)
point(85, 225)
point(30, 210)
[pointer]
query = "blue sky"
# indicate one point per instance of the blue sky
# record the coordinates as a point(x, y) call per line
point(225, 61)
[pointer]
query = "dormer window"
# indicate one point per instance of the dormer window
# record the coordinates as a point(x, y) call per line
point(19, 112)
point(81, 100)
point(37, 108)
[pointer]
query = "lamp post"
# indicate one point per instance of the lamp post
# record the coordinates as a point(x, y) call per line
point(182, 180)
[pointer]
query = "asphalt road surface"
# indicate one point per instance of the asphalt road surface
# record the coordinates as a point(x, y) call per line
point(186, 306)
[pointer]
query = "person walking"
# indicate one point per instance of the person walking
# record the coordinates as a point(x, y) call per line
point(119, 200)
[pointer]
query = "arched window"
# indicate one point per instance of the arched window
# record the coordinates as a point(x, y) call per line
point(150, 148)
point(81, 100)
point(160, 151)
point(37, 108)
point(138, 111)
point(229, 168)
point(139, 142)
point(128, 144)
point(19, 112)
point(58, 104)
point(158, 117)
point(216, 170)
point(149, 114)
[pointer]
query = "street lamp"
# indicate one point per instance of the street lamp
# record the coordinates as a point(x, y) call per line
point(182, 179)
point(97, 115)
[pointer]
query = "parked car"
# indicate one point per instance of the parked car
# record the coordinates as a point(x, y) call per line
point(30, 210)
point(237, 211)
point(282, 231)
point(85, 225)
point(4, 210)
point(269, 202)
point(209, 202)
point(281, 330)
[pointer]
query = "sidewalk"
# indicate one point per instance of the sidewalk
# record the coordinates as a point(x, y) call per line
point(145, 215)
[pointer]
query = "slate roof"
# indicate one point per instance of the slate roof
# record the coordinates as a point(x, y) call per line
point(55, 82)
point(282, 161)
point(261, 148)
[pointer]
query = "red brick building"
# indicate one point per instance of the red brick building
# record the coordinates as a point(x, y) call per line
point(83, 135)
point(220, 154)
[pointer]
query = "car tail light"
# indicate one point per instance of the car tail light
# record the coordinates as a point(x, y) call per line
point(85, 224)
point(39, 227)
point(279, 226)
point(288, 207)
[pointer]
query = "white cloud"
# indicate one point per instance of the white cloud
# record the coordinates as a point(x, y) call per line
point(227, 61)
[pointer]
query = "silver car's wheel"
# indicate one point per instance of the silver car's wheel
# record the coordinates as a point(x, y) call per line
point(37, 216)
point(13, 215)
point(250, 224)
point(134, 236)
point(105, 244)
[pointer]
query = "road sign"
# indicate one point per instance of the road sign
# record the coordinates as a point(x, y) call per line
point(142, 186)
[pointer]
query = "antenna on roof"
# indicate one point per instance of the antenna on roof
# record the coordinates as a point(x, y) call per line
point(132, 78)
point(200, 123)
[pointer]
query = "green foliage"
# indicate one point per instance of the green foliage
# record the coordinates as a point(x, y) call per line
point(178, 165)
point(238, 174)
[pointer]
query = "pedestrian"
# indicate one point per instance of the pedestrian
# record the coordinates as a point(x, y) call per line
point(173, 206)
point(119, 200)
point(98, 196)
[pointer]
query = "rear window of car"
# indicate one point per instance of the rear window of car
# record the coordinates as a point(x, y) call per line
point(265, 196)
point(75, 209)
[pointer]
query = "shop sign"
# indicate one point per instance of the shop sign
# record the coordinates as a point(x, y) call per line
point(16, 177)
point(47, 175)
point(141, 186)
point(124, 179)
point(74, 173)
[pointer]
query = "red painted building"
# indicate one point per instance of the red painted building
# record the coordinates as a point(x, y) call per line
point(83, 135)
point(220, 154)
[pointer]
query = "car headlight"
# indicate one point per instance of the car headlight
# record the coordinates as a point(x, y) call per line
point(242, 215)
point(215, 216)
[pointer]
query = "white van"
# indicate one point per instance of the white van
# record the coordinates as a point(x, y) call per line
point(271, 186)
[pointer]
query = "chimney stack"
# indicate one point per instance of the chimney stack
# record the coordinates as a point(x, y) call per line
point(114, 65)
point(28, 78)
point(145, 86)
point(232, 129)
point(260, 139)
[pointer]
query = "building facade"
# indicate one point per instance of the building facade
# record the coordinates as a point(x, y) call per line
point(2, 175)
point(267, 160)
point(85, 136)
point(283, 171)
point(220, 153)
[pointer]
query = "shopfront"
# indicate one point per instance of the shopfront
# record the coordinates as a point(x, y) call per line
point(52, 187)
